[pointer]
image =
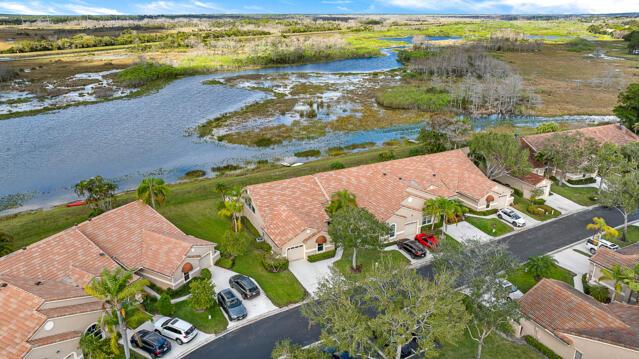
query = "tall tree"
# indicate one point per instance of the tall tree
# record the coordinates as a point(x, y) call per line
point(601, 228)
point(500, 153)
point(233, 207)
point(433, 141)
point(540, 266)
point(375, 316)
point(622, 193)
point(97, 192)
point(339, 200)
point(631, 152)
point(285, 349)
point(201, 294)
point(569, 153)
point(5, 243)
point(153, 191)
point(617, 275)
point(609, 160)
point(354, 227)
point(116, 289)
point(94, 347)
point(627, 108)
point(233, 244)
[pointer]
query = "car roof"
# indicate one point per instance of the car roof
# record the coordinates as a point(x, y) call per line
point(228, 294)
point(180, 324)
point(244, 279)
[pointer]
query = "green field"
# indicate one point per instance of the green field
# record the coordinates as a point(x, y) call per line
point(579, 195)
point(524, 281)
point(495, 347)
point(201, 320)
point(491, 226)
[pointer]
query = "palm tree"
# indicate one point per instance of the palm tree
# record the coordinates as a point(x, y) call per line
point(539, 266)
point(631, 280)
point(153, 191)
point(617, 275)
point(115, 289)
point(339, 200)
point(600, 227)
point(233, 207)
point(433, 208)
point(5, 243)
point(444, 209)
point(93, 347)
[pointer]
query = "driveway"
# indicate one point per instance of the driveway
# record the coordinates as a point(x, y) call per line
point(413, 261)
point(311, 274)
point(254, 307)
point(464, 231)
point(563, 204)
point(176, 350)
point(575, 262)
point(529, 220)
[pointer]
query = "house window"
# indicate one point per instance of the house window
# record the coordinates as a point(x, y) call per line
point(249, 204)
point(578, 354)
point(187, 276)
point(320, 247)
point(427, 220)
point(487, 204)
point(95, 330)
point(391, 232)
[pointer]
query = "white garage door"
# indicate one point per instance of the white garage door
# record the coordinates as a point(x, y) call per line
point(294, 253)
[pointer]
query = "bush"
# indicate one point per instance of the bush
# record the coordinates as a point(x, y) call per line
point(386, 156)
point(263, 246)
point(585, 284)
point(149, 303)
point(142, 74)
point(588, 180)
point(600, 293)
point(337, 165)
point(274, 264)
point(482, 213)
point(579, 45)
point(414, 98)
point(547, 127)
point(593, 198)
point(539, 201)
point(206, 274)
point(225, 263)
point(164, 305)
point(417, 151)
point(335, 151)
point(542, 348)
point(194, 174)
point(201, 294)
point(517, 192)
point(321, 256)
point(308, 153)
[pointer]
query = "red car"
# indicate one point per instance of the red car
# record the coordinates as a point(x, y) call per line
point(427, 240)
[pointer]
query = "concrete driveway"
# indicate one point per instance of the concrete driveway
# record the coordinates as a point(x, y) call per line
point(464, 231)
point(413, 261)
point(573, 261)
point(176, 350)
point(254, 307)
point(529, 220)
point(311, 274)
point(563, 204)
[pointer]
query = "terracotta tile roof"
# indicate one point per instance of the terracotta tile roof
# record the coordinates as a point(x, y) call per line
point(532, 178)
point(289, 207)
point(563, 310)
point(54, 338)
point(612, 133)
point(45, 289)
point(92, 306)
point(121, 234)
point(18, 320)
point(625, 257)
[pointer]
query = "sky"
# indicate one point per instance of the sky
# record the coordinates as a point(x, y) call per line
point(115, 7)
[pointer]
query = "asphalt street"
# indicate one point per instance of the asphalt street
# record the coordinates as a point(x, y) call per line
point(256, 341)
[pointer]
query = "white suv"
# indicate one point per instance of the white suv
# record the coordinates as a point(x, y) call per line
point(594, 243)
point(176, 329)
point(511, 217)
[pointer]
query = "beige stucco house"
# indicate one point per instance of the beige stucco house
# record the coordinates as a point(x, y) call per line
point(290, 214)
point(527, 184)
point(576, 326)
point(605, 258)
point(45, 310)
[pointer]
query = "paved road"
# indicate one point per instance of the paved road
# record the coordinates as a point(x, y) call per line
point(256, 341)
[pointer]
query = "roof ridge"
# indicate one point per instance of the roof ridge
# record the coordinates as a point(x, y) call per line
point(321, 187)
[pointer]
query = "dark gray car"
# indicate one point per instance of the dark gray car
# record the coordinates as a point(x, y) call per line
point(231, 304)
point(245, 286)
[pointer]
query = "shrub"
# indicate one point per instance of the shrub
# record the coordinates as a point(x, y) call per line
point(593, 198)
point(517, 192)
point(414, 98)
point(579, 45)
point(142, 74)
point(386, 156)
point(308, 153)
point(194, 174)
point(482, 213)
point(263, 246)
point(417, 151)
point(584, 282)
point(337, 165)
point(547, 127)
point(335, 151)
point(274, 264)
point(321, 256)
point(581, 181)
point(164, 305)
point(600, 293)
point(149, 303)
point(206, 274)
point(542, 348)
point(539, 201)
point(201, 294)
point(225, 263)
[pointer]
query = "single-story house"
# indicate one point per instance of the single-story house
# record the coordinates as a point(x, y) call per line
point(526, 184)
point(575, 325)
point(45, 310)
point(290, 214)
point(606, 258)
point(611, 133)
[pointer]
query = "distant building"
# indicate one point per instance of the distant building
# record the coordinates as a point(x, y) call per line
point(605, 258)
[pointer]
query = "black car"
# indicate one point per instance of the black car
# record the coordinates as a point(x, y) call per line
point(231, 304)
point(412, 247)
point(245, 286)
point(151, 342)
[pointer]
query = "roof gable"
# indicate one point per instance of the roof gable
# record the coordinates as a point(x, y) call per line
point(612, 133)
point(19, 313)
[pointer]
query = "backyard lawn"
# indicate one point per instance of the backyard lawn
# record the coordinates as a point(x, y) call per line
point(524, 281)
point(495, 347)
point(367, 258)
point(201, 320)
point(491, 226)
point(579, 195)
point(633, 236)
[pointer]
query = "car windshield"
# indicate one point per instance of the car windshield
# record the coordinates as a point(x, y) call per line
point(515, 215)
point(155, 339)
point(513, 289)
point(190, 330)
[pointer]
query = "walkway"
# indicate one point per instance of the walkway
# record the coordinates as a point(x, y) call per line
point(311, 274)
point(464, 231)
point(563, 204)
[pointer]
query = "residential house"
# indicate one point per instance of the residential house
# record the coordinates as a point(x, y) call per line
point(527, 184)
point(44, 307)
point(605, 258)
point(290, 214)
point(575, 325)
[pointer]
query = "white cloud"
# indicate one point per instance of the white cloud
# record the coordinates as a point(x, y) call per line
point(517, 6)
point(90, 10)
point(342, 8)
point(182, 7)
point(26, 8)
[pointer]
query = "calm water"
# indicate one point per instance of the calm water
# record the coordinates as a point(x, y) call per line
point(124, 140)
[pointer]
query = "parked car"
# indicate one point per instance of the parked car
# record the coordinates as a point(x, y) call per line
point(593, 244)
point(515, 293)
point(245, 286)
point(334, 354)
point(511, 217)
point(175, 328)
point(413, 248)
point(152, 343)
point(231, 305)
point(427, 240)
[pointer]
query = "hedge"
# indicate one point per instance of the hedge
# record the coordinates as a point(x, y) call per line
point(224, 263)
point(263, 246)
point(588, 180)
point(482, 213)
point(599, 292)
point(321, 256)
point(542, 348)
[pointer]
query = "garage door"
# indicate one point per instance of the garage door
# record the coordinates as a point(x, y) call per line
point(294, 253)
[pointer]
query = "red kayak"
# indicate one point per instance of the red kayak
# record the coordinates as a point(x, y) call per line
point(76, 204)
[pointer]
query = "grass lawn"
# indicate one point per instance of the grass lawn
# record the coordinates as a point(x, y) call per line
point(521, 204)
point(367, 258)
point(632, 238)
point(495, 347)
point(137, 318)
point(201, 321)
point(579, 195)
point(487, 225)
point(525, 281)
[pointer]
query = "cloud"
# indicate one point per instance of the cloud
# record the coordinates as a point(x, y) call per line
point(342, 8)
point(90, 10)
point(40, 8)
point(182, 7)
point(516, 6)
point(26, 8)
